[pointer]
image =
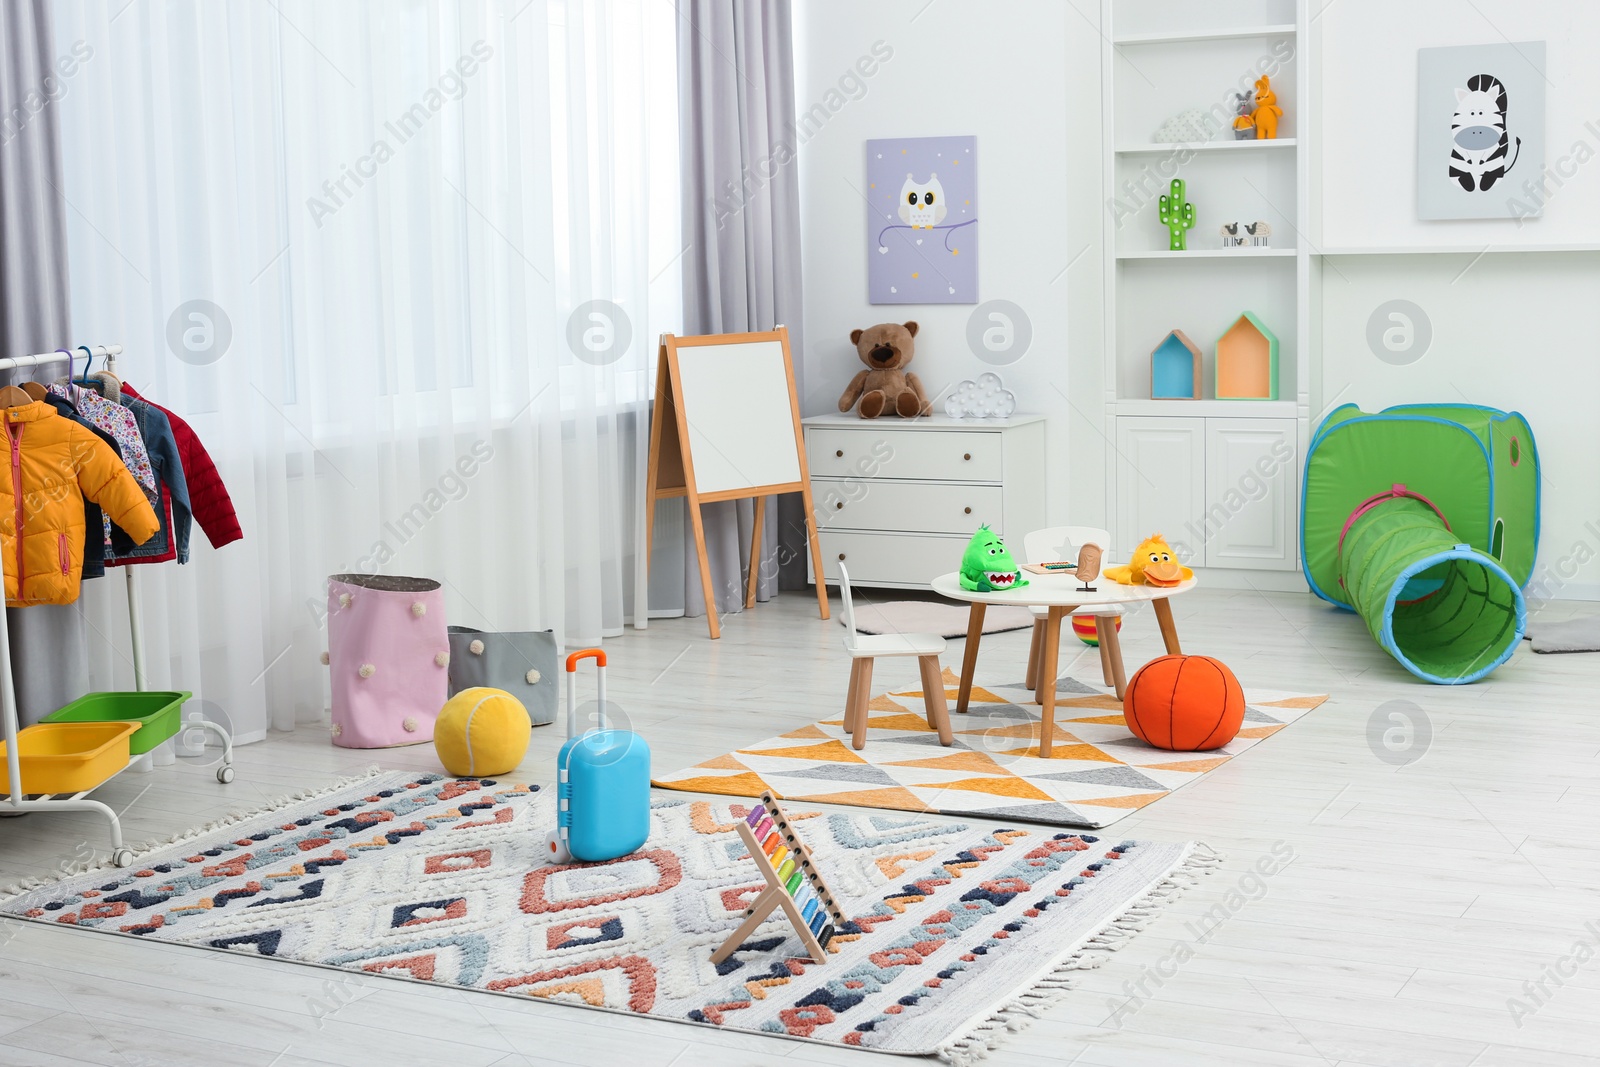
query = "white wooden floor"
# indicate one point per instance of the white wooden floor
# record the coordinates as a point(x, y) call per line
point(1419, 901)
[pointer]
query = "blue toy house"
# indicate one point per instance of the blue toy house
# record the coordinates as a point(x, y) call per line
point(1175, 368)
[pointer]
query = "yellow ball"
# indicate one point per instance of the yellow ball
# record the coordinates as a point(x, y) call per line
point(482, 732)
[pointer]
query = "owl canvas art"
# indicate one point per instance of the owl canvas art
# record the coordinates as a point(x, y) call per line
point(922, 220)
point(922, 203)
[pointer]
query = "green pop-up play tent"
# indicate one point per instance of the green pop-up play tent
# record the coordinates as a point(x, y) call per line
point(1424, 520)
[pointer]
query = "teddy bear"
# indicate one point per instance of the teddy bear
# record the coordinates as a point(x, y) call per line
point(886, 386)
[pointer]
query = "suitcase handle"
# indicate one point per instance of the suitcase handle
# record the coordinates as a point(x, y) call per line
point(587, 653)
point(599, 657)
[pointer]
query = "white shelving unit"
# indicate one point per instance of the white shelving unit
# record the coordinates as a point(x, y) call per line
point(1282, 29)
point(1208, 146)
point(1210, 253)
point(1219, 478)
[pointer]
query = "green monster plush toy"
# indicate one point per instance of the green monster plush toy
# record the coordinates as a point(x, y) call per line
point(987, 566)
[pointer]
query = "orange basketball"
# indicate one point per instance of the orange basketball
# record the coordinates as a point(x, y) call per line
point(1184, 703)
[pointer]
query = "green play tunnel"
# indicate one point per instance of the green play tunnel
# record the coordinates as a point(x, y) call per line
point(1424, 519)
point(1446, 611)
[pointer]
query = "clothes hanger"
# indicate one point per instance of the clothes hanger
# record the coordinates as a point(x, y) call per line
point(12, 397)
point(37, 390)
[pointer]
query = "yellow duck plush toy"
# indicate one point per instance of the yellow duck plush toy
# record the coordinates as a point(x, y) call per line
point(1152, 563)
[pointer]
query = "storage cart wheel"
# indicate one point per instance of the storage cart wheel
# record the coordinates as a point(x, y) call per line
point(122, 857)
point(224, 775)
point(555, 849)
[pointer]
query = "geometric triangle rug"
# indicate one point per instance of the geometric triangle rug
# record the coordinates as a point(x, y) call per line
point(1098, 771)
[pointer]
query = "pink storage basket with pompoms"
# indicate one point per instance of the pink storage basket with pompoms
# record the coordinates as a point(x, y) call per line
point(389, 658)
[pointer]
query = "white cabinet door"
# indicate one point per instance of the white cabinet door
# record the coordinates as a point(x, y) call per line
point(1252, 497)
point(1161, 481)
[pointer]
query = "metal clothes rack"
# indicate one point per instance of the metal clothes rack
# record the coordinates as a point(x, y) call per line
point(16, 802)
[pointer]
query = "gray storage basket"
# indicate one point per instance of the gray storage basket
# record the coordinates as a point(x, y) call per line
point(523, 664)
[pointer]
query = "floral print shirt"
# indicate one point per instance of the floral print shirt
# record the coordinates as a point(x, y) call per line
point(117, 421)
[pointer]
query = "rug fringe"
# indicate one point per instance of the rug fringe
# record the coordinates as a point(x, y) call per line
point(979, 1040)
point(28, 885)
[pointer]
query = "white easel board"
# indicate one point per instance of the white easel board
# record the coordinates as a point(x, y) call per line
point(727, 427)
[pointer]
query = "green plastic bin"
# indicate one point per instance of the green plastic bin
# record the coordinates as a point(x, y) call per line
point(159, 714)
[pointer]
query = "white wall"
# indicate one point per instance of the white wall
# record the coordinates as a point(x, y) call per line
point(1369, 117)
point(1513, 331)
point(1509, 330)
point(1024, 78)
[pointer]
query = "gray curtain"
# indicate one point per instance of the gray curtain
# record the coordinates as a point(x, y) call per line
point(741, 221)
point(49, 644)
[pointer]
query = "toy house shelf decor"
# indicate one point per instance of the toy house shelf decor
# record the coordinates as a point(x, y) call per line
point(1175, 368)
point(1247, 361)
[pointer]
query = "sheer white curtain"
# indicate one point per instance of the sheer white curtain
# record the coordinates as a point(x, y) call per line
point(396, 214)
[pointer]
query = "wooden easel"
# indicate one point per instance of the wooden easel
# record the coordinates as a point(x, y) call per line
point(672, 461)
point(790, 850)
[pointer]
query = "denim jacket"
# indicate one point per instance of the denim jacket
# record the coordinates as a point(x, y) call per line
point(163, 448)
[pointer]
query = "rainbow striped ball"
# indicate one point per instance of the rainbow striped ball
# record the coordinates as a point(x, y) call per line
point(1083, 626)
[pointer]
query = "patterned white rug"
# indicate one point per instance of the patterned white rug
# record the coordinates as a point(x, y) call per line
point(958, 932)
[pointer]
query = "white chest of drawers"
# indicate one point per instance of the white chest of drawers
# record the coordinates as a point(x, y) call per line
point(897, 499)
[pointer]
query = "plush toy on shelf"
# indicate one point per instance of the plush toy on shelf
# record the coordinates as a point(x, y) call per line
point(886, 387)
point(1177, 215)
point(987, 566)
point(1267, 112)
point(1152, 563)
point(1244, 128)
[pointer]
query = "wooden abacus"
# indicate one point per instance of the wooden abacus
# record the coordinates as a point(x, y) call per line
point(793, 884)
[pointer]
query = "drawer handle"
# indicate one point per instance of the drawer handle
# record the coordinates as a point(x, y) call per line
point(841, 556)
point(967, 510)
point(966, 455)
point(839, 452)
point(838, 506)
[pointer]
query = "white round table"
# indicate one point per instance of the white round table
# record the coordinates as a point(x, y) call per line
point(1063, 594)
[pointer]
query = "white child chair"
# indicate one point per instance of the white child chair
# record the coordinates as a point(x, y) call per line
point(1050, 545)
point(864, 648)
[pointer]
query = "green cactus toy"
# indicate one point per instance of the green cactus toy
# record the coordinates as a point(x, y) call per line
point(1177, 215)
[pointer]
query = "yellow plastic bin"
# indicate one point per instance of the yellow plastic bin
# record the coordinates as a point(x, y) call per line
point(68, 757)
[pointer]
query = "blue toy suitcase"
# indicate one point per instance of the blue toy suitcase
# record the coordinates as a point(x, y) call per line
point(603, 783)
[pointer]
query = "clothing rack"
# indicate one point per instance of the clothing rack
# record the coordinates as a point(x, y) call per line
point(16, 802)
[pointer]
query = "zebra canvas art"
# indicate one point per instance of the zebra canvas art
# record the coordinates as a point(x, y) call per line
point(1480, 123)
point(1481, 149)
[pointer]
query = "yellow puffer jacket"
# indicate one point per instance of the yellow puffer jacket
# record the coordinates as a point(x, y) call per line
point(51, 465)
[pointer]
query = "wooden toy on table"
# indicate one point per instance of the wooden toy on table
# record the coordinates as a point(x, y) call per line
point(1088, 568)
point(793, 884)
